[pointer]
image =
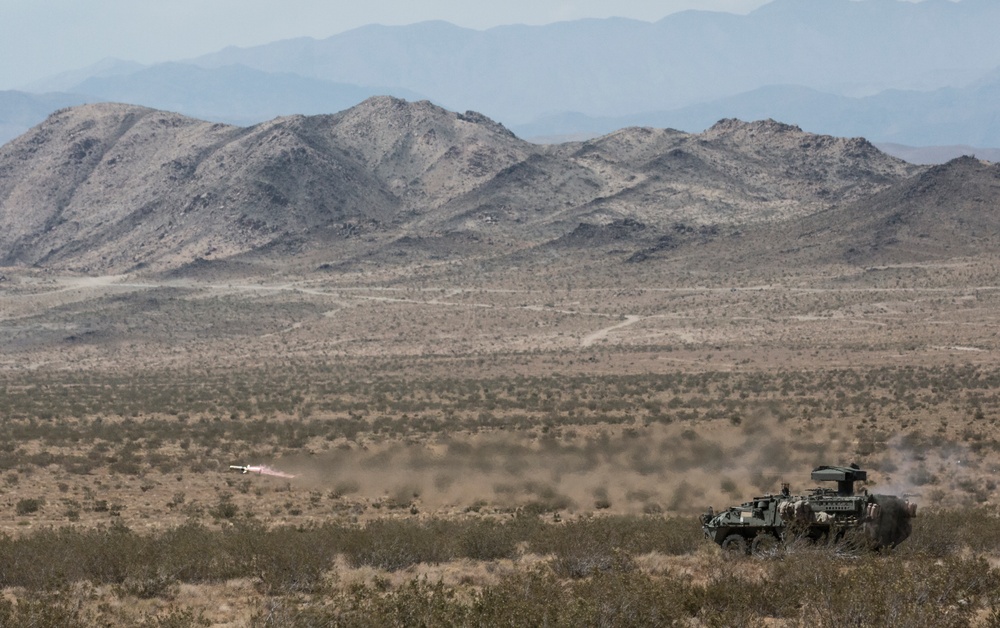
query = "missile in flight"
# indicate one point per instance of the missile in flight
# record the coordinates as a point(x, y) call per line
point(260, 470)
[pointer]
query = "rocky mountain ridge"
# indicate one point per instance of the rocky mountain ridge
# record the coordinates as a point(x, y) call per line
point(116, 188)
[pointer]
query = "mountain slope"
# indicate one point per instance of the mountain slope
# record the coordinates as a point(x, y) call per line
point(951, 210)
point(734, 173)
point(114, 187)
point(423, 152)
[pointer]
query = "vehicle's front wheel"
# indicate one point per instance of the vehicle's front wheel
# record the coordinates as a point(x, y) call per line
point(735, 543)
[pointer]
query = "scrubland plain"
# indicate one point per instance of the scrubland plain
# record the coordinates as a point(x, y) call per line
point(475, 446)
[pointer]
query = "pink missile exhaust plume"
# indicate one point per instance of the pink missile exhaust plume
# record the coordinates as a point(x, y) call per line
point(261, 470)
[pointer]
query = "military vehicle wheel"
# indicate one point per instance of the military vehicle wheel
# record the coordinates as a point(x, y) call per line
point(735, 543)
point(763, 544)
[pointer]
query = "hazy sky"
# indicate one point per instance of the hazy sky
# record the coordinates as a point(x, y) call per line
point(39, 38)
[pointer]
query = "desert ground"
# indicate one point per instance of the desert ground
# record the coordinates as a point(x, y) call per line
point(461, 434)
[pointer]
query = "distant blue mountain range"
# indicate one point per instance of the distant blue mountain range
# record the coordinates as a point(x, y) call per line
point(968, 115)
point(924, 73)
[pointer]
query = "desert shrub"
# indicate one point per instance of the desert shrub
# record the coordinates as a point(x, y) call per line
point(938, 534)
point(584, 562)
point(416, 603)
point(392, 544)
point(942, 533)
point(289, 559)
point(631, 534)
point(110, 554)
point(885, 591)
point(44, 610)
point(28, 505)
point(811, 585)
point(486, 540)
point(535, 597)
point(732, 598)
point(193, 553)
point(152, 583)
point(48, 559)
point(224, 508)
point(591, 579)
point(630, 599)
point(591, 546)
point(817, 585)
point(174, 618)
point(126, 466)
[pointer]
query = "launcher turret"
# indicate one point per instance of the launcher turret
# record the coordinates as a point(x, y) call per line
point(845, 477)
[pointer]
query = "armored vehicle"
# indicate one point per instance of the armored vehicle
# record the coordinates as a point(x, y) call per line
point(758, 525)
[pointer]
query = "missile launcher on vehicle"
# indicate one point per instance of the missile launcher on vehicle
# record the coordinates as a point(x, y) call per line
point(760, 524)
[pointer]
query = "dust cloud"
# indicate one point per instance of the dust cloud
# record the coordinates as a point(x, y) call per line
point(673, 468)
